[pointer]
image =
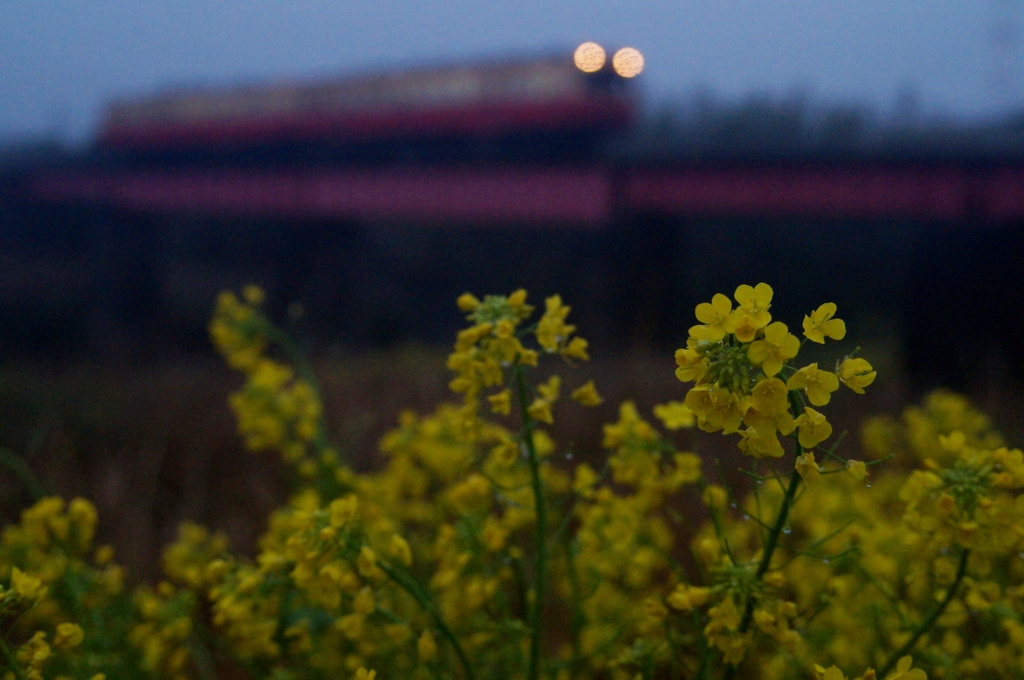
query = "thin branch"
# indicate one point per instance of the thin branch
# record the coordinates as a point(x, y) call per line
point(541, 529)
point(927, 624)
point(20, 469)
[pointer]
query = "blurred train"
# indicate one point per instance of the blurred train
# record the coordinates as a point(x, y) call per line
point(356, 196)
point(533, 109)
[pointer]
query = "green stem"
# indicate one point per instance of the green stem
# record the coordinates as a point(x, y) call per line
point(204, 636)
point(12, 662)
point(563, 526)
point(201, 657)
point(703, 669)
point(927, 624)
point(770, 545)
point(409, 585)
point(540, 534)
point(305, 371)
point(293, 352)
point(20, 469)
point(578, 620)
point(772, 542)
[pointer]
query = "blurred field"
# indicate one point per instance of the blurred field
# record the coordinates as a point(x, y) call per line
point(154, 446)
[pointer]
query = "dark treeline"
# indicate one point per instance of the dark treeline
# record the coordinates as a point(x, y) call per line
point(708, 127)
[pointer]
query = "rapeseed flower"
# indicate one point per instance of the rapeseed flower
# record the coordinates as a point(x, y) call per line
point(675, 415)
point(774, 348)
point(814, 428)
point(587, 395)
point(717, 318)
point(856, 373)
point(820, 324)
point(816, 383)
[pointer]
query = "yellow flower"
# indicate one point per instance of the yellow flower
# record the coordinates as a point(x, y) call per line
point(584, 480)
point(716, 408)
point(715, 497)
point(83, 515)
point(26, 585)
point(717, 317)
point(905, 672)
point(553, 334)
point(550, 390)
point(808, 468)
point(34, 653)
point(687, 468)
point(706, 334)
point(770, 397)
point(721, 631)
point(468, 302)
point(830, 673)
point(756, 300)
point(342, 510)
point(505, 453)
point(771, 352)
point(856, 373)
point(68, 635)
point(675, 415)
point(253, 295)
point(501, 402)
point(363, 603)
point(686, 598)
point(363, 674)
point(543, 442)
point(552, 331)
point(766, 411)
point(760, 441)
point(467, 338)
point(857, 468)
point(351, 625)
point(104, 554)
point(400, 550)
point(752, 314)
point(493, 535)
point(818, 384)
point(528, 357)
point(540, 410)
point(398, 633)
point(814, 428)
point(576, 349)
point(587, 395)
point(366, 564)
point(517, 301)
point(504, 329)
point(426, 647)
point(820, 324)
point(692, 365)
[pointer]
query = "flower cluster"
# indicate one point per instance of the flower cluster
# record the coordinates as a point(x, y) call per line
point(483, 547)
point(739, 362)
point(275, 410)
point(416, 567)
point(927, 561)
point(279, 408)
point(50, 578)
point(486, 351)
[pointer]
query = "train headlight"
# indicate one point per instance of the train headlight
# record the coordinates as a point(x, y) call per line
point(589, 57)
point(628, 62)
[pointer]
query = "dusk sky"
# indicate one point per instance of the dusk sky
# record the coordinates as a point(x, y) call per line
point(61, 61)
